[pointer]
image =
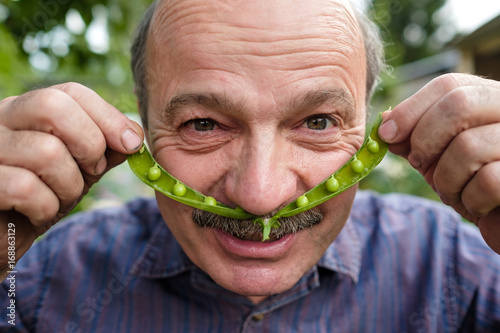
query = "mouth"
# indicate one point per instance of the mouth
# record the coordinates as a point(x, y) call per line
point(252, 246)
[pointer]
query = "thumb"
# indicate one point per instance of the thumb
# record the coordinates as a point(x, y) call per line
point(131, 137)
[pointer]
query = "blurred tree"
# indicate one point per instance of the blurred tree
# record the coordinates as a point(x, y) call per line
point(45, 42)
point(408, 28)
point(52, 41)
point(411, 30)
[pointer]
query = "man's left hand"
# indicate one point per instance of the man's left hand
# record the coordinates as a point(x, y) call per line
point(450, 132)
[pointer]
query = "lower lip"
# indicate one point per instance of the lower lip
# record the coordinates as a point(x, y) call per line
point(252, 249)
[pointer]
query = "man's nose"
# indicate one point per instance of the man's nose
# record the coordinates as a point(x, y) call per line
point(262, 179)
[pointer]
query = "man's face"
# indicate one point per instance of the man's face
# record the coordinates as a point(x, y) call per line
point(254, 103)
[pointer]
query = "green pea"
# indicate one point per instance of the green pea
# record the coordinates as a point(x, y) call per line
point(210, 201)
point(179, 190)
point(154, 173)
point(302, 201)
point(332, 184)
point(373, 147)
point(357, 166)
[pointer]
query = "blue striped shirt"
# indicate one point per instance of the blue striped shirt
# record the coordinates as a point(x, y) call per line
point(400, 264)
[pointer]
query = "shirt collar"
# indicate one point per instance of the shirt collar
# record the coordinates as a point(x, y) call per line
point(163, 257)
point(344, 254)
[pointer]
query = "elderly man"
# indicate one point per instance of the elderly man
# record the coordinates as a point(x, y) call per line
point(253, 103)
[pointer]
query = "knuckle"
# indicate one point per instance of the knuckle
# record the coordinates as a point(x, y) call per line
point(489, 182)
point(466, 144)
point(23, 186)
point(51, 148)
point(51, 99)
point(73, 88)
point(455, 105)
point(51, 105)
point(447, 82)
point(76, 190)
point(486, 193)
point(48, 212)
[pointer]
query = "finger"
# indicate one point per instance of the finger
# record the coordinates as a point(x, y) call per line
point(112, 159)
point(482, 193)
point(490, 229)
point(55, 112)
point(77, 115)
point(49, 159)
point(399, 123)
point(462, 160)
point(122, 134)
point(22, 191)
point(462, 109)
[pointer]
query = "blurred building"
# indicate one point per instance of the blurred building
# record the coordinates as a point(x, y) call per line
point(480, 51)
point(477, 53)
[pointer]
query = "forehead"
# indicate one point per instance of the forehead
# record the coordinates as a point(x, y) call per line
point(258, 14)
point(282, 36)
point(259, 21)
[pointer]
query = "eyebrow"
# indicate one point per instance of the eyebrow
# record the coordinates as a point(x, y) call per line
point(209, 101)
point(338, 97)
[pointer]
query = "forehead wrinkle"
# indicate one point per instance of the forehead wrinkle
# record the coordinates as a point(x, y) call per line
point(177, 20)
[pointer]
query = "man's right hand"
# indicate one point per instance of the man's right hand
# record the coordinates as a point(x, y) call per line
point(56, 143)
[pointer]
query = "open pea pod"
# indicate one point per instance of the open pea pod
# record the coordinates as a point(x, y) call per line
point(358, 167)
point(152, 174)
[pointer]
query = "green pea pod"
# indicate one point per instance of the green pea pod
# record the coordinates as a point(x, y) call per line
point(152, 174)
point(358, 167)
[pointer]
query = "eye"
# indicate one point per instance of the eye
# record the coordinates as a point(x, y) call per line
point(318, 123)
point(201, 125)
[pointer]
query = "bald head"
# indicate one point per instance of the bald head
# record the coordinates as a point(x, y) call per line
point(277, 32)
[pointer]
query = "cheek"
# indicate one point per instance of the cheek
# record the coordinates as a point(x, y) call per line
point(177, 216)
point(335, 213)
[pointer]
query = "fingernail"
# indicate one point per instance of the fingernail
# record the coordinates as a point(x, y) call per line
point(388, 130)
point(100, 166)
point(131, 141)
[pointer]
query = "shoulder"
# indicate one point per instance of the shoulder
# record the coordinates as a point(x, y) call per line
point(74, 254)
point(95, 240)
point(400, 214)
point(422, 240)
point(419, 230)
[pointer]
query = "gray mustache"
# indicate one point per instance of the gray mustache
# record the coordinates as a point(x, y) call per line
point(245, 228)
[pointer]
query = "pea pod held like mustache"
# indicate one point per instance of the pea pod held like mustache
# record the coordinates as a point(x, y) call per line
point(358, 167)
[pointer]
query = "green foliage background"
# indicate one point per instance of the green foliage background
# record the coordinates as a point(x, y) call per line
point(38, 31)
